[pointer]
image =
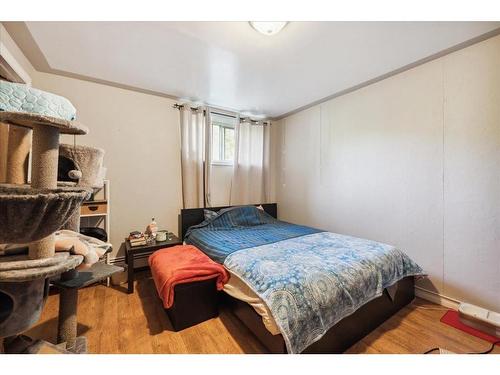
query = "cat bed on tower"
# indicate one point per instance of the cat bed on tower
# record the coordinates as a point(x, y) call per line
point(30, 214)
point(81, 164)
point(18, 97)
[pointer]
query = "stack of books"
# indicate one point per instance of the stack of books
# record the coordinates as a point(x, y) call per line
point(137, 239)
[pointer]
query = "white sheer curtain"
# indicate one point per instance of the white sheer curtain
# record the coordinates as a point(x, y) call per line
point(193, 146)
point(251, 164)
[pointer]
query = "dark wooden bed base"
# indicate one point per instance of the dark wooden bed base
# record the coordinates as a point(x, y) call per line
point(338, 338)
point(342, 335)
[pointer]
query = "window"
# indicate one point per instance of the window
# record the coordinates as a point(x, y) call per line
point(223, 138)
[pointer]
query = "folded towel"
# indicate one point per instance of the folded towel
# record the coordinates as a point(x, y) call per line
point(182, 264)
point(18, 97)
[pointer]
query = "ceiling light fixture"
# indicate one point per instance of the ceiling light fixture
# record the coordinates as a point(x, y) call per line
point(268, 28)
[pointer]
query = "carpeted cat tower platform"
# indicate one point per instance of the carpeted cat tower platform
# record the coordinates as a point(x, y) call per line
point(30, 214)
point(74, 159)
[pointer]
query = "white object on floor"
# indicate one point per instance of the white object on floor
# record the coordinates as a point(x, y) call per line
point(479, 318)
point(445, 351)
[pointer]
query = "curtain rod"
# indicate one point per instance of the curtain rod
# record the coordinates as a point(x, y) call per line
point(180, 106)
point(242, 119)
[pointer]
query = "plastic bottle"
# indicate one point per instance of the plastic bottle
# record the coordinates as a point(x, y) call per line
point(152, 228)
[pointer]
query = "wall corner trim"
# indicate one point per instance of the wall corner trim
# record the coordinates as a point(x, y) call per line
point(432, 57)
point(11, 68)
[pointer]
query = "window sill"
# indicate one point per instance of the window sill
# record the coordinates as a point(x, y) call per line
point(222, 163)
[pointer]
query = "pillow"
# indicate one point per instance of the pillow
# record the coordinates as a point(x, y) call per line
point(209, 214)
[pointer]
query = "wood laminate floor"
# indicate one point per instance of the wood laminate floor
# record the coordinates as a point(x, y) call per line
point(116, 322)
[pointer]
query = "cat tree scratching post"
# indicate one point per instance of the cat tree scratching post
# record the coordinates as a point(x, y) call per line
point(44, 175)
point(67, 323)
point(31, 214)
point(18, 149)
point(4, 145)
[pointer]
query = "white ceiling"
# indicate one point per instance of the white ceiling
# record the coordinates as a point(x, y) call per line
point(230, 65)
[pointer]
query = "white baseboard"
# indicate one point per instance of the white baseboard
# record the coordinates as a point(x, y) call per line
point(434, 297)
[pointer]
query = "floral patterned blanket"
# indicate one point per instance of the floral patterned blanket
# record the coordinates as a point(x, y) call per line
point(313, 281)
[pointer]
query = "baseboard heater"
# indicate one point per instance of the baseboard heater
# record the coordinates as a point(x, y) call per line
point(479, 318)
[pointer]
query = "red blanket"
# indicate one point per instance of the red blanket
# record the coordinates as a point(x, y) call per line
point(182, 264)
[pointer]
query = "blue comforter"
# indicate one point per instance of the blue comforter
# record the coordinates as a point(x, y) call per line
point(239, 228)
point(312, 282)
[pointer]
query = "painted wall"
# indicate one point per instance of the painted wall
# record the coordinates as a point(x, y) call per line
point(413, 161)
point(140, 134)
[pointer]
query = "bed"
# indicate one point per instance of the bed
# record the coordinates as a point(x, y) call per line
point(300, 289)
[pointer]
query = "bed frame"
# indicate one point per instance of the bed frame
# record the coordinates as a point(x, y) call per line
point(338, 338)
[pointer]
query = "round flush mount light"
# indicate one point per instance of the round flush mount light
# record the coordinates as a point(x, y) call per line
point(268, 28)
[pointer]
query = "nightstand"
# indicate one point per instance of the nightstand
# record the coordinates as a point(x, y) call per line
point(131, 252)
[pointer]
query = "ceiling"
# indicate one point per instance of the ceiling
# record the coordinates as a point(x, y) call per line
point(230, 65)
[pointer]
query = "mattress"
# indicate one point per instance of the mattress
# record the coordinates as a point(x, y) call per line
point(237, 288)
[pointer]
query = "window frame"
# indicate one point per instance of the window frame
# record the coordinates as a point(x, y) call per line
point(222, 149)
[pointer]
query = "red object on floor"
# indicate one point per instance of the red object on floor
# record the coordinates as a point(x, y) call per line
point(451, 318)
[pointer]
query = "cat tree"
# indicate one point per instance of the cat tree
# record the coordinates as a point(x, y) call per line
point(31, 214)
